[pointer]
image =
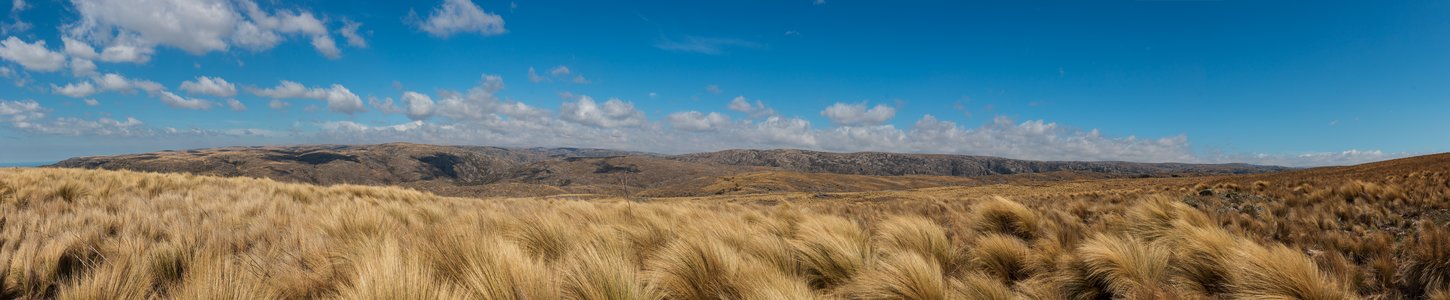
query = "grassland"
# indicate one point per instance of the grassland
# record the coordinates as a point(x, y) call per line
point(1377, 231)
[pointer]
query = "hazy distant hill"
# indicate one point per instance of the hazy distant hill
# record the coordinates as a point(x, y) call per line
point(895, 164)
point(475, 170)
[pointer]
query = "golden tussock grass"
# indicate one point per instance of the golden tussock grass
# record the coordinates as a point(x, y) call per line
point(73, 234)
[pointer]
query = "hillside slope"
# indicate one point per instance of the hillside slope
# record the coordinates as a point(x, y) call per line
point(95, 234)
point(493, 171)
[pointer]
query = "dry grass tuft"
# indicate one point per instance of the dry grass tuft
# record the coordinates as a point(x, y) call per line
point(1127, 267)
point(832, 250)
point(697, 269)
point(905, 275)
point(605, 274)
point(919, 235)
point(1000, 215)
point(1001, 256)
point(1428, 265)
point(1277, 272)
point(981, 286)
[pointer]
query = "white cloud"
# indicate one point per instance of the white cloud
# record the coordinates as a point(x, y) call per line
point(559, 71)
point(194, 26)
point(75, 90)
point(579, 79)
point(482, 103)
point(82, 67)
point(858, 114)
point(117, 83)
point(461, 16)
point(757, 110)
point(419, 106)
point(791, 132)
point(338, 97)
point(613, 113)
point(236, 105)
point(79, 49)
point(713, 89)
point(17, 25)
point(586, 123)
point(349, 31)
point(20, 111)
point(278, 104)
point(697, 121)
point(1311, 159)
point(92, 102)
point(32, 56)
point(326, 46)
point(1041, 140)
point(29, 116)
point(534, 76)
point(126, 53)
point(131, 29)
point(177, 101)
point(211, 86)
point(19, 79)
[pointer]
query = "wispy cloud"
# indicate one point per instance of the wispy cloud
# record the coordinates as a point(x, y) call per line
point(705, 45)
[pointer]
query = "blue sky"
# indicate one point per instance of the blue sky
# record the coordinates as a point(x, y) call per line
point(1287, 83)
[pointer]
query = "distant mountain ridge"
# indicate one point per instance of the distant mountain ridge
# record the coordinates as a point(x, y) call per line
point(897, 164)
point(484, 170)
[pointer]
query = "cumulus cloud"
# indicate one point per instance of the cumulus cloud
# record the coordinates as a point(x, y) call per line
point(326, 46)
point(16, 25)
point(756, 110)
point(29, 116)
point(460, 16)
point(211, 86)
point(534, 76)
point(278, 104)
point(131, 29)
point(113, 82)
point(32, 56)
point(92, 102)
point(122, 53)
point(117, 83)
point(617, 124)
point(20, 111)
point(236, 105)
point(613, 113)
point(483, 103)
point(791, 132)
point(697, 121)
point(338, 97)
point(857, 114)
point(177, 101)
point(82, 67)
point(75, 90)
point(349, 31)
point(419, 106)
point(79, 49)
point(559, 71)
